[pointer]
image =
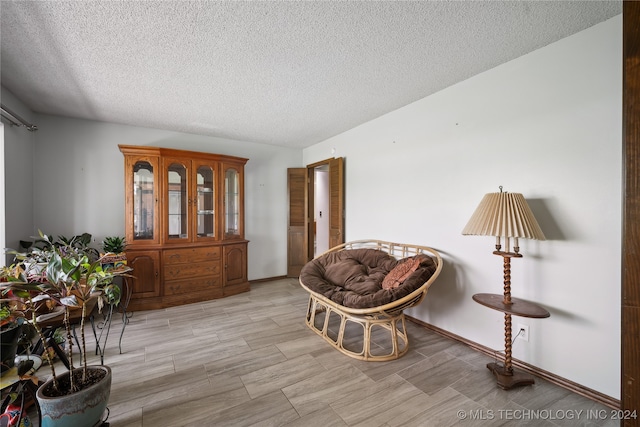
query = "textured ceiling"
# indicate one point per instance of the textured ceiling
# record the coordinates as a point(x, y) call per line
point(283, 73)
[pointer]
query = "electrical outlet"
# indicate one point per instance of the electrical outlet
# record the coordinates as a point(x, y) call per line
point(523, 332)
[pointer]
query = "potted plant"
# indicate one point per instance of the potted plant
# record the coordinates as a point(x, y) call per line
point(74, 280)
point(113, 255)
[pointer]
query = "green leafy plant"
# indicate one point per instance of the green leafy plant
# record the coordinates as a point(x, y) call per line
point(41, 247)
point(8, 319)
point(10, 313)
point(114, 244)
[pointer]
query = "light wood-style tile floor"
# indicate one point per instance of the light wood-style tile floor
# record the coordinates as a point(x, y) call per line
point(249, 360)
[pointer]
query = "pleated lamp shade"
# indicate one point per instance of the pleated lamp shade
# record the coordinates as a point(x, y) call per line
point(504, 215)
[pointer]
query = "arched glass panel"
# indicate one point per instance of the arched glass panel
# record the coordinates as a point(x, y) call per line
point(177, 203)
point(143, 201)
point(232, 202)
point(206, 197)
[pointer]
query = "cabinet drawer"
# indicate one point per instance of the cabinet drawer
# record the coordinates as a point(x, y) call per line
point(177, 287)
point(186, 271)
point(190, 255)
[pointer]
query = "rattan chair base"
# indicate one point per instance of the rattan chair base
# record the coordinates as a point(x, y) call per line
point(389, 347)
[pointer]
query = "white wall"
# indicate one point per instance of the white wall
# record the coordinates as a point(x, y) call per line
point(548, 125)
point(79, 183)
point(18, 176)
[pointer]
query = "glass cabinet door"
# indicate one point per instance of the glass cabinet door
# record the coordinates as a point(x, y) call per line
point(231, 202)
point(205, 202)
point(177, 202)
point(143, 201)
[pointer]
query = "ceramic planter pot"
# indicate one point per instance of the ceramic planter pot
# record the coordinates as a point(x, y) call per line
point(113, 260)
point(84, 408)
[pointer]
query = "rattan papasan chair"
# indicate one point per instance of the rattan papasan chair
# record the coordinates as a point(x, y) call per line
point(358, 292)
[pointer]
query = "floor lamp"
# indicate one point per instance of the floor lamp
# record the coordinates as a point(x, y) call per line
point(507, 217)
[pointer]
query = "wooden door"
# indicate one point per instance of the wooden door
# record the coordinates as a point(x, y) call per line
point(146, 273)
point(631, 210)
point(336, 202)
point(296, 236)
point(233, 201)
point(176, 201)
point(204, 201)
point(235, 264)
point(142, 187)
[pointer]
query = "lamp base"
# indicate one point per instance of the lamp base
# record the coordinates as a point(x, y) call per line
point(509, 379)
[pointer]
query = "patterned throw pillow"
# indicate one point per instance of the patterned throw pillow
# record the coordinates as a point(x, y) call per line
point(400, 272)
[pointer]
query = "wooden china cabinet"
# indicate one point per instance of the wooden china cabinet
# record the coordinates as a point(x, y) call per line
point(184, 226)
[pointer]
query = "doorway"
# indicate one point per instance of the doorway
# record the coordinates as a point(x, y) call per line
point(320, 209)
point(316, 211)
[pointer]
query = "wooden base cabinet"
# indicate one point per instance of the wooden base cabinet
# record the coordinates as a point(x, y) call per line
point(146, 280)
point(235, 265)
point(184, 226)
